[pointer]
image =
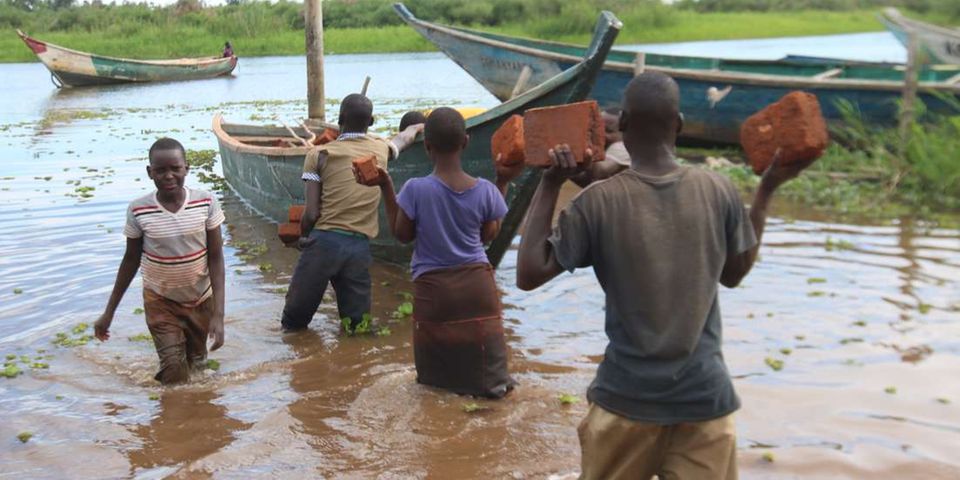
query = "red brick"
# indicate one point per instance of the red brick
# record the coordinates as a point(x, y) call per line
point(328, 135)
point(577, 124)
point(793, 124)
point(367, 166)
point(296, 213)
point(507, 141)
point(289, 232)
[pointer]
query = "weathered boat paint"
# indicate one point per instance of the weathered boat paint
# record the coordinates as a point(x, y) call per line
point(268, 178)
point(74, 68)
point(496, 62)
point(938, 44)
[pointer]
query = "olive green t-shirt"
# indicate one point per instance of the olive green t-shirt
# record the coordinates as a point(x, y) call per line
point(657, 246)
point(345, 204)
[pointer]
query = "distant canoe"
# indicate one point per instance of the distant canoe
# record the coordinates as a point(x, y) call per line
point(717, 95)
point(268, 177)
point(72, 68)
point(940, 44)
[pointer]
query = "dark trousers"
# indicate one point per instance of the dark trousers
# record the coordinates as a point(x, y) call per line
point(342, 260)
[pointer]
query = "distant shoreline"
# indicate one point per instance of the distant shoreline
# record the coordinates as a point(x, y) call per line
point(192, 41)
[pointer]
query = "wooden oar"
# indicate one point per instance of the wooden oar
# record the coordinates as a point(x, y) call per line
point(366, 83)
point(304, 142)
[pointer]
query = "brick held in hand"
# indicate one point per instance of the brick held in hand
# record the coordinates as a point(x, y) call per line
point(577, 124)
point(507, 141)
point(295, 213)
point(793, 124)
point(289, 232)
point(328, 135)
point(367, 166)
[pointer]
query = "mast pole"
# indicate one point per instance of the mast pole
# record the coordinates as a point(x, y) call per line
point(313, 13)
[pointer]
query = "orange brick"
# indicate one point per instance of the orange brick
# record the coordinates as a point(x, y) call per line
point(793, 124)
point(577, 124)
point(296, 213)
point(367, 166)
point(507, 141)
point(328, 135)
point(289, 232)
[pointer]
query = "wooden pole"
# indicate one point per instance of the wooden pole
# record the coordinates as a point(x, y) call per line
point(313, 13)
point(366, 83)
point(907, 108)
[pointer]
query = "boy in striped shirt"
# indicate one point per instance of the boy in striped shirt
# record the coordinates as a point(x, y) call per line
point(174, 234)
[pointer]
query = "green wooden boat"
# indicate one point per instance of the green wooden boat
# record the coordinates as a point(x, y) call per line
point(268, 177)
point(717, 94)
point(72, 68)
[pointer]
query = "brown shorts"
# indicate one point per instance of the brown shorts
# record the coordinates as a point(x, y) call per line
point(179, 333)
point(615, 447)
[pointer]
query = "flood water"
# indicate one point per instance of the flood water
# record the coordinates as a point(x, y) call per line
point(865, 318)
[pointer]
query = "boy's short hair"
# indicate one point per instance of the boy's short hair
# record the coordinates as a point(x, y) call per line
point(167, 143)
point(412, 117)
point(445, 130)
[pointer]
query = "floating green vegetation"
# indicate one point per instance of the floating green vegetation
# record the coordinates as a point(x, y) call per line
point(59, 397)
point(786, 351)
point(568, 399)
point(212, 365)
point(67, 116)
point(890, 390)
point(403, 310)
point(384, 283)
point(138, 311)
point(859, 323)
point(202, 163)
point(362, 327)
point(17, 291)
point(813, 280)
point(10, 370)
point(924, 308)
point(831, 244)
point(768, 457)
point(40, 365)
point(406, 296)
point(384, 332)
point(11, 356)
point(265, 267)
point(78, 337)
point(154, 396)
point(816, 293)
point(24, 437)
point(943, 400)
point(474, 407)
point(774, 363)
point(852, 363)
point(850, 340)
point(141, 337)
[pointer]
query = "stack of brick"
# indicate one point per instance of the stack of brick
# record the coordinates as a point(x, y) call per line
point(793, 124)
point(367, 168)
point(290, 232)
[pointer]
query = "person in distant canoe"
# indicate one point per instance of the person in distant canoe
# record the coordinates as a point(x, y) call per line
point(227, 50)
point(339, 220)
point(174, 234)
point(660, 236)
point(458, 341)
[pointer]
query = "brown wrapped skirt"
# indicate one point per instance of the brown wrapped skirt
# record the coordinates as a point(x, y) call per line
point(458, 339)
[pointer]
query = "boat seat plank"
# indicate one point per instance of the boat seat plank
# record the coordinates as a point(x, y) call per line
point(832, 73)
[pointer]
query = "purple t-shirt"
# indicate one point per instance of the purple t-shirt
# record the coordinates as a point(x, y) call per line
point(449, 222)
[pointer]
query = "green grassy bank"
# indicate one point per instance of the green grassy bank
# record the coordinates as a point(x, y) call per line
point(181, 37)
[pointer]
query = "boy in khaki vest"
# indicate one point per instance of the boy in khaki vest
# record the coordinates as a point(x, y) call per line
point(339, 221)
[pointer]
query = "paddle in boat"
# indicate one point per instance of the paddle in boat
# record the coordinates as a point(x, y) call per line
point(71, 68)
point(717, 95)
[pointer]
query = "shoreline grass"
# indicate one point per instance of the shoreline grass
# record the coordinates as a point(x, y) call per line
point(683, 25)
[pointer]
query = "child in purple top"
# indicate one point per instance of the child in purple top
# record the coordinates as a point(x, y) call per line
point(458, 336)
point(449, 222)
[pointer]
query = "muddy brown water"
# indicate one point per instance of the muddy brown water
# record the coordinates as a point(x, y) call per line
point(865, 318)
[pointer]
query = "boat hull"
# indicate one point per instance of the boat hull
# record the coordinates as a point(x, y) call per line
point(938, 44)
point(496, 62)
point(268, 178)
point(72, 68)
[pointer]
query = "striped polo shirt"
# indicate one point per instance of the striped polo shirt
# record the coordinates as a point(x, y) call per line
point(174, 261)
